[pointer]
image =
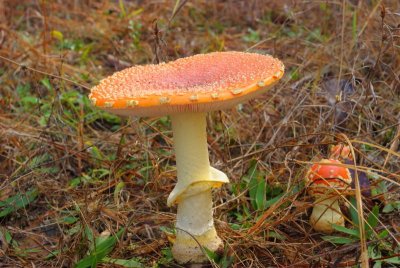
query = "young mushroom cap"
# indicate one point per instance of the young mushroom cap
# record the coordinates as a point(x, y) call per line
point(200, 83)
point(327, 180)
point(328, 175)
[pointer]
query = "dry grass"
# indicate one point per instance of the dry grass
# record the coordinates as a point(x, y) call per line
point(93, 171)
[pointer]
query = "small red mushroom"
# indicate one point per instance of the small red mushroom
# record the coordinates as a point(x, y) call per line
point(326, 180)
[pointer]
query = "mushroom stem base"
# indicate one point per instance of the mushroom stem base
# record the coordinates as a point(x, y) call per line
point(187, 247)
point(195, 229)
point(326, 212)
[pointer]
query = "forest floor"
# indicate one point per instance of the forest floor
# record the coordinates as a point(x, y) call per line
point(82, 186)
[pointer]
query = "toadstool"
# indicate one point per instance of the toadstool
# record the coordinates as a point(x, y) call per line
point(326, 180)
point(186, 89)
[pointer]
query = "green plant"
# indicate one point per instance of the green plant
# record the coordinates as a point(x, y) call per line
point(166, 260)
point(252, 36)
point(135, 32)
point(380, 251)
point(262, 195)
point(222, 261)
point(8, 241)
point(100, 247)
point(18, 201)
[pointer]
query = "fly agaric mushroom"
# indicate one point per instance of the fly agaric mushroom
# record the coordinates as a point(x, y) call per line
point(186, 89)
point(326, 180)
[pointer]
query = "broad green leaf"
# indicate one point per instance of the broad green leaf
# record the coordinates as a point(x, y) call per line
point(90, 261)
point(251, 176)
point(381, 188)
point(96, 153)
point(7, 236)
point(373, 217)
point(118, 189)
point(383, 234)
point(29, 101)
point(17, 201)
point(38, 160)
point(100, 239)
point(132, 263)
point(353, 232)
point(388, 208)
point(235, 226)
point(75, 182)
point(372, 221)
point(374, 252)
point(377, 264)
point(338, 239)
point(276, 235)
point(75, 229)
point(23, 90)
point(89, 235)
point(101, 249)
point(226, 261)
point(53, 254)
point(261, 198)
point(69, 220)
point(166, 258)
point(168, 230)
point(394, 260)
point(211, 254)
point(354, 211)
point(272, 201)
point(46, 83)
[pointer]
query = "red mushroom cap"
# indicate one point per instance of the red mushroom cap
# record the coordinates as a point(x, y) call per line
point(328, 174)
point(199, 83)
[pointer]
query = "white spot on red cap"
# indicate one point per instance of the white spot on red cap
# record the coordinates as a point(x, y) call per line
point(194, 98)
point(108, 104)
point(214, 95)
point(237, 91)
point(164, 100)
point(132, 103)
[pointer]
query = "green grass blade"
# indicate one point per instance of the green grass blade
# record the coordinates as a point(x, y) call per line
point(354, 211)
point(103, 248)
point(132, 263)
point(20, 200)
point(261, 198)
point(338, 239)
point(342, 229)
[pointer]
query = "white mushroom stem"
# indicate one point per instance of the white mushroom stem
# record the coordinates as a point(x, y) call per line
point(326, 212)
point(195, 224)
